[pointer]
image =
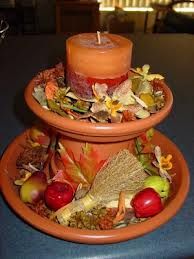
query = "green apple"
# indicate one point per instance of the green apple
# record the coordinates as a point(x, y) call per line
point(159, 184)
point(32, 190)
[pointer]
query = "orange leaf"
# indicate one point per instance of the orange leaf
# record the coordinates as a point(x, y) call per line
point(50, 89)
point(72, 168)
point(147, 148)
point(90, 163)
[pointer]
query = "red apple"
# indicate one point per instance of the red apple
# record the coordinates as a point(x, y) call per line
point(146, 203)
point(58, 194)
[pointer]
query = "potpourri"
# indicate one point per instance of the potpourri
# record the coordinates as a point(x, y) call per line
point(138, 97)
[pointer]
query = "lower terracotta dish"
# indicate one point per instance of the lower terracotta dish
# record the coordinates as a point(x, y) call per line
point(180, 187)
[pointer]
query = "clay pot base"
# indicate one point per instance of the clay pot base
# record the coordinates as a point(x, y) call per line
point(180, 188)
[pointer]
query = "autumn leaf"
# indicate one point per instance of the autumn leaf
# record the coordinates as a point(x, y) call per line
point(56, 108)
point(144, 72)
point(51, 89)
point(72, 168)
point(147, 136)
point(100, 91)
point(147, 148)
point(123, 93)
point(39, 95)
point(89, 162)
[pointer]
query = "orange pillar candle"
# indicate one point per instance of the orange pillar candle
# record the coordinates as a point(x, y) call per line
point(91, 58)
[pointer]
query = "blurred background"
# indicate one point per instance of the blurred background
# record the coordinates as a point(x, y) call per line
point(116, 16)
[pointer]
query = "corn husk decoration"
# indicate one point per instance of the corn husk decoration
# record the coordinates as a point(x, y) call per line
point(123, 172)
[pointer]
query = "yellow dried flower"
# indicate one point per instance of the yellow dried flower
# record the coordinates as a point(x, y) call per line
point(113, 106)
point(165, 162)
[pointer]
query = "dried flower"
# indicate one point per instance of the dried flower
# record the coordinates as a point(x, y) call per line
point(144, 73)
point(163, 163)
point(103, 102)
point(24, 178)
point(113, 106)
point(136, 97)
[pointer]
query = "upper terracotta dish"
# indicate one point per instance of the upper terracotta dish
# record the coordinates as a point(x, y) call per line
point(97, 132)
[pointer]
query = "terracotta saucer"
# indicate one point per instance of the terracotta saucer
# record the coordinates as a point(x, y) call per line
point(180, 188)
point(97, 132)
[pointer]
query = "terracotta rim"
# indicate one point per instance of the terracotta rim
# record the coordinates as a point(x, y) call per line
point(97, 129)
point(91, 236)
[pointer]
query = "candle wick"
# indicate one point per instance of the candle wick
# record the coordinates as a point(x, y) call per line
point(98, 37)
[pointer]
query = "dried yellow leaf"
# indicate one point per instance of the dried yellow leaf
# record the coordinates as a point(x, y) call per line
point(147, 98)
